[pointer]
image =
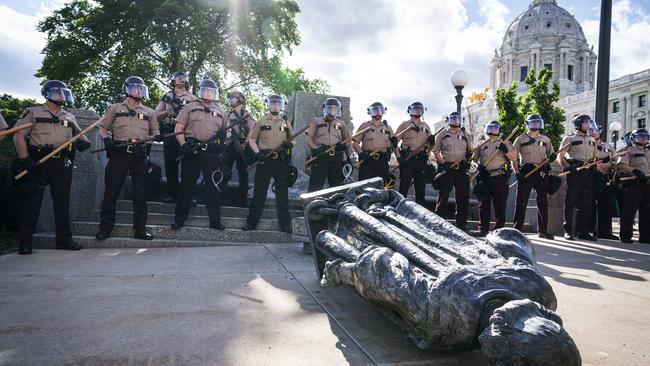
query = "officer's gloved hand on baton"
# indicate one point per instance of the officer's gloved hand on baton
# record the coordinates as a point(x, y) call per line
point(109, 145)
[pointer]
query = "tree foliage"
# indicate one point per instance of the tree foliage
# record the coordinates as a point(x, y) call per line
point(95, 45)
point(541, 98)
point(11, 108)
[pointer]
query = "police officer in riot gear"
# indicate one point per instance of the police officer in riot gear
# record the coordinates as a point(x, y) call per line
point(580, 150)
point(52, 127)
point(271, 133)
point(167, 111)
point(494, 175)
point(413, 152)
point(323, 133)
point(129, 120)
point(236, 143)
point(453, 150)
point(204, 124)
point(635, 191)
point(533, 149)
point(603, 205)
point(379, 135)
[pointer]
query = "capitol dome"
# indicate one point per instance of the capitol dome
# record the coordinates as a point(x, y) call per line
point(545, 35)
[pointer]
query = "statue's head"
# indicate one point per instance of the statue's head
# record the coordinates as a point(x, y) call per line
point(525, 333)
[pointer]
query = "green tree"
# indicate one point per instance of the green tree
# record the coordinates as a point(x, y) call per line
point(11, 108)
point(95, 45)
point(541, 98)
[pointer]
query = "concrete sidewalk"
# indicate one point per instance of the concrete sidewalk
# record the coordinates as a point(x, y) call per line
point(262, 305)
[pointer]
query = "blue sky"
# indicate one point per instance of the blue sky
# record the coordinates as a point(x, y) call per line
point(379, 50)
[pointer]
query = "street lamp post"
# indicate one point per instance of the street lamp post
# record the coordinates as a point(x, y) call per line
point(459, 80)
point(615, 127)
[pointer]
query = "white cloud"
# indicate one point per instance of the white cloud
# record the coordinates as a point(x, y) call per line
point(630, 47)
point(406, 52)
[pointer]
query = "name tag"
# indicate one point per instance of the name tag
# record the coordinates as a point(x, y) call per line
point(265, 128)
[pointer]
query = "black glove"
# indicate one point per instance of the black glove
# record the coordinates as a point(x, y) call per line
point(159, 138)
point(81, 145)
point(405, 153)
point(221, 136)
point(393, 141)
point(640, 176)
point(363, 156)
point(570, 168)
point(552, 157)
point(28, 163)
point(287, 145)
point(605, 160)
point(187, 150)
point(445, 167)
point(520, 177)
point(260, 156)
point(468, 155)
point(109, 145)
point(503, 148)
point(340, 147)
point(431, 139)
point(319, 150)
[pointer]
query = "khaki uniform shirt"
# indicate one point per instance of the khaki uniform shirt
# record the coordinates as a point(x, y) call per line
point(242, 129)
point(604, 150)
point(202, 122)
point(533, 150)
point(3, 123)
point(453, 146)
point(270, 133)
point(166, 105)
point(485, 151)
point(47, 130)
point(415, 138)
point(637, 157)
point(375, 137)
point(137, 123)
point(583, 147)
point(326, 133)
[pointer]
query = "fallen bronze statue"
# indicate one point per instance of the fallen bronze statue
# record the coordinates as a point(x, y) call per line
point(445, 289)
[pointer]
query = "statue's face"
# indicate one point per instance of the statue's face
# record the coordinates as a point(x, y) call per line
point(523, 332)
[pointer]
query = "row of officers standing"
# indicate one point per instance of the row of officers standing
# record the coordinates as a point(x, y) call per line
point(206, 140)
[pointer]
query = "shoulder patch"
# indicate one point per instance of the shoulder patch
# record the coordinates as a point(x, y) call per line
point(25, 113)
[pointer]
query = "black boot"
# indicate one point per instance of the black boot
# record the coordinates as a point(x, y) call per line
point(68, 245)
point(217, 225)
point(177, 225)
point(25, 248)
point(169, 199)
point(546, 236)
point(142, 234)
point(103, 234)
point(248, 227)
point(286, 229)
point(587, 236)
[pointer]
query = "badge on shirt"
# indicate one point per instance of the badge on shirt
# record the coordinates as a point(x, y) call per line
point(214, 113)
point(337, 126)
point(283, 128)
point(65, 123)
point(141, 116)
point(541, 143)
point(592, 143)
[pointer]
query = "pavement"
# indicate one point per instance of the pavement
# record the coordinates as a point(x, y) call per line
point(263, 305)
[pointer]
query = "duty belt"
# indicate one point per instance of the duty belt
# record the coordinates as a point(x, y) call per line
point(130, 149)
point(276, 155)
point(37, 152)
point(379, 156)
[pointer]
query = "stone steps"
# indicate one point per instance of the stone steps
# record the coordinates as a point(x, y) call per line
point(189, 233)
point(200, 210)
point(124, 217)
point(47, 240)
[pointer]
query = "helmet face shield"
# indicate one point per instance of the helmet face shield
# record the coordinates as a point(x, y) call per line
point(640, 137)
point(376, 111)
point(454, 120)
point(416, 110)
point(492, 129)
point(180, 80)
point(136, 91)
point(535, 124)
point(60, 95)
point(593, 130)
point(587, 125)
point(274, 105)
point(208, 93)
point(331, 111)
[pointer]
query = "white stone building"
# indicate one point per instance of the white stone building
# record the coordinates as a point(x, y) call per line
point(546, 35)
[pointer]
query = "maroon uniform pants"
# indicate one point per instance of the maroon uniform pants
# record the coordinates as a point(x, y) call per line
point(538, 181)
point(459, 181)
point(498, 188)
